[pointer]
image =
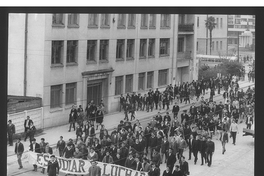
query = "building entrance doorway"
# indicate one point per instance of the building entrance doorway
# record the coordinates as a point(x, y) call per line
point(94, 92)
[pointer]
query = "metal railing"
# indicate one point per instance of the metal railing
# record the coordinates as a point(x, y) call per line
point(186, 27)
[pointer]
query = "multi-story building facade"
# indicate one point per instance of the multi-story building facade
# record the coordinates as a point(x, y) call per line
point(71, 59)
point(241, 29)
point(219, 35)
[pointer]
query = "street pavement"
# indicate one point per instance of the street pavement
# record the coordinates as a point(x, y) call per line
point(238, 160)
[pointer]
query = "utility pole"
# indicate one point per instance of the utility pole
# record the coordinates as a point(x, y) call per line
point(237, 46)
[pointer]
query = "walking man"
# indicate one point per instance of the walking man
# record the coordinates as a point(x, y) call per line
point(27, 123)
point(234, 131)
point(224, 140)
point(53, 166)
point(61, 146)
point(210, 147)
point(34, 147)
point(19, 149)
point(10, 131)
point(175, 110)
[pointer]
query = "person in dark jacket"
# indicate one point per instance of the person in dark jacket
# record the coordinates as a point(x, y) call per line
point(19, 149)
point(202, 150)
point(79, 133)
point(34, 147)
point(47, 149)
point(73, 117)
point(171, 160)
point(61, 146)
point(154, 171)
point(210, 147)
point(11, 130)
point(68, 152)
point(184, 166)
point(53, 166)
point(167, 172)
point(177, 171)
point(224, 140)
point(195, 148)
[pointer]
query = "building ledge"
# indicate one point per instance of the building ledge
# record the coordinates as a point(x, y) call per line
point(97, 71)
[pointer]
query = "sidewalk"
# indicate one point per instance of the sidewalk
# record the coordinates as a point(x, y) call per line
point(111, 121)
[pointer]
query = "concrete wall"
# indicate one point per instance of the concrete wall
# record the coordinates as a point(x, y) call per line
point(16, 29)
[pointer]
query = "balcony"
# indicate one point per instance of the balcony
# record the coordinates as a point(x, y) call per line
point(186, 28)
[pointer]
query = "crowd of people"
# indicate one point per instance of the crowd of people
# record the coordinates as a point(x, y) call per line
point(165, 138)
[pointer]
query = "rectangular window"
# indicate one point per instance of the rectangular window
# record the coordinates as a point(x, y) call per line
point(56, 96)
point(221, 45)
point(216, 45)
point(164, 47)
point(180, 44)
point(105, 20)
point(144, 20)
point(121, 21)
point(91, 50)
point(130, 48)
point(217, 23)
point(165, 21)
point(150, 79)
point(129, 83)
point(143, 48)
point(221, 23)
point(93, 20)
point(118, 85)
point(57, 52)
point(73, 20)
point(120, 47)
point(57, 19)
point(104, 46)
point(151, 48)
point(131, 20)
point(163, 77)
point(72, 51)
point(181, 19)
point(141, 81)
point(70, 93)
point(197, 21)
point(152, 21)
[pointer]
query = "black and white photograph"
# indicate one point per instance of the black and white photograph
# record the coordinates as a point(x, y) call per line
point(118, 93)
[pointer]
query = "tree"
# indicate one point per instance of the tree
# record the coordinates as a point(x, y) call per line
point(210, 25)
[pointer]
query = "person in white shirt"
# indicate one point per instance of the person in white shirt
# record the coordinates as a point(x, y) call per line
point(234, 131)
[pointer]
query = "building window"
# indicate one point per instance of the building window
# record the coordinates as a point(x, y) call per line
point(152, 21)
point(143, 48)
point(217, 25)
point(141, 81)
point(216, 45)
point(130, 48)
point(121, 21)
point(212, 45)
point(91, 50)
point(221, 45)
point(197, 46)
point(165, 21)
point(57, 19)
point(93, 20)
point(150, 78)
point(197, 21)
point(120, 47)
point(180, 44)
point(164, 47)
point(57, 52)
point(73, 20)
point(55, 96)
point(144, 21)
point(181, 19)
point(129, 83)
point(105, 20)
point(163, 76)
point(221, 22)
point(151, 48)
point(131, 20)
point(118, 85)
point(104, 46)
point(72, 51)
point(70, 93)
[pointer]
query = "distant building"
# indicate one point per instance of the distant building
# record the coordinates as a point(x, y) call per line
point(219, 35)
point(68, 59)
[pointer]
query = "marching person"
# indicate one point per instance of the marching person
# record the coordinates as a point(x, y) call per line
point(61, 146)
point(32, 131)
point(234, 131)
point(171, 159)
point(34, 147)
point(47, 149)
point(27, 123)
point(210, 147)
point(184, 166)
point(224, 140)
point(99, 116)
point(19, 149)
point(73, 117)
point(175, 110)
point(53, 166)
point(94, 170)
point(11, 130)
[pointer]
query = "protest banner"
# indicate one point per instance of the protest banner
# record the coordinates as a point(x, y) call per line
point(80, 166)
